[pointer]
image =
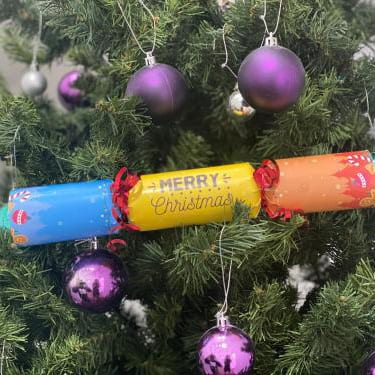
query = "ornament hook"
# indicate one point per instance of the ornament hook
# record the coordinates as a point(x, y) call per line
point(271, 41)
point(150, 59)
point(222, 320)
point(94, 243)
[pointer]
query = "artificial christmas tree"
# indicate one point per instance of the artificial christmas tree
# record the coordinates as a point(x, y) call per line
point(176, 273)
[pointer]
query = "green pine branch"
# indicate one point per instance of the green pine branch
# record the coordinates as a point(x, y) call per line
point(336, 331)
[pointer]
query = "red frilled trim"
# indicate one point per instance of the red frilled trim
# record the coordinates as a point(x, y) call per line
point(120, 188)
point(120, 199)
point(116, 245)
point(266, 176)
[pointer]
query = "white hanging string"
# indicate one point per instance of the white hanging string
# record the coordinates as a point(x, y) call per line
point(2, 358)
point(225, 64)
point(264, 15)
point(132, 31)
point(226, 282)
point(106, 58)
point(371, 131)
point(263, 40)
point(37, 41)
point(13, 158)
point(14, 166)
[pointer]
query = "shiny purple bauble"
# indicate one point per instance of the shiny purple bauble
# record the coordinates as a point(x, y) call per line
point(70, 96)
point(369, 365)
point(95, 281)
point(226, 351)
point(271, 78)
point(162, 89)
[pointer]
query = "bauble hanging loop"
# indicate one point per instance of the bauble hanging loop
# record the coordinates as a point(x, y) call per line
point(222, 320)
point(271, 41)
point(150, 59)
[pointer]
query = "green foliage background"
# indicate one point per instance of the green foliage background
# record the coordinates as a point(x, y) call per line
point(176, 273)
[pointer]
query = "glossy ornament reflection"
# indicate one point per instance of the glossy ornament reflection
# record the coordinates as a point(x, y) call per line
point(69, 95)
point(95, 281)
point(225, 349)
point(33, 82)
point(238, 107)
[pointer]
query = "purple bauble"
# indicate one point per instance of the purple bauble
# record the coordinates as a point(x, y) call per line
point(162, 89)
point(95, 281)
point(70, 96)
point(369, 365)
point(226, 350)
point(271, 78)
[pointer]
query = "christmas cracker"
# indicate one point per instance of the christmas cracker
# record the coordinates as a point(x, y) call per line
point(332, 182)
point(55, 213)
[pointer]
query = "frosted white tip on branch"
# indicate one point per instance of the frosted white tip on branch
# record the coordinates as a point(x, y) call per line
point(133, 309)
point(136, 311)
point(225, 5)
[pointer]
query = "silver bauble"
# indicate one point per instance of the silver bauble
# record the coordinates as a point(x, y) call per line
point(238, 107)
point(33, 83)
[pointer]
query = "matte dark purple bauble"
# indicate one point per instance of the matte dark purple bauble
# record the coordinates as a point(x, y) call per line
point(271, 78)
point(95, 281)
point(369, 365)
point(70, 96)
point(226, 350)
point(162, 89)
